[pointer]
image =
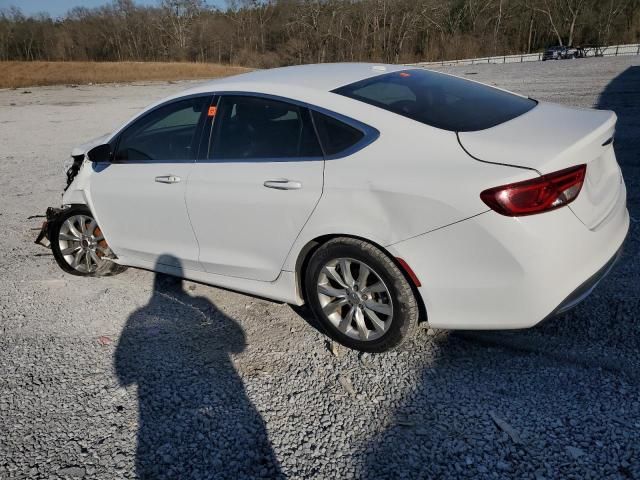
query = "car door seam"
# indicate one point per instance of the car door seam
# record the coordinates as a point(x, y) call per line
point(186, 206)
point(324, 166)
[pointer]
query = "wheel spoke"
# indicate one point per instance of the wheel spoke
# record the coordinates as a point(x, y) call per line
point(83, 224)
point(333, 306)
point(378, 307)
point(332, 292)
point(362, 327)
point(345, 323)
point(94, 257)
point(377, 323)
point(67, 237)
point(363, 275)
point(99, 238)
point(70, 250)
point(87, 260)
point(92, 226)
point(333, 275)
point(345, 270)
point(76, 260)
point(74, 231)
point(377, 287)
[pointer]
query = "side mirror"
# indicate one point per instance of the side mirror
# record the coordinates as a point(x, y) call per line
point(100, 154)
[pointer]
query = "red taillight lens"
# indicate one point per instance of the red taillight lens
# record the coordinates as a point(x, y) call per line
point(548, 192)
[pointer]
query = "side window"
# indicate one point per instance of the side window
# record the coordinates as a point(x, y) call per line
point(336, 136)
point(255, 128)
point(167, 133)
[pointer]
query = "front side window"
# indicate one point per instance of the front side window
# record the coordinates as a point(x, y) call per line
point(439, 100)
point(167, 133)
point(258, 128)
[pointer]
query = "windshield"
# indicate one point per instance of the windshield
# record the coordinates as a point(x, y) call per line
point(439, 100)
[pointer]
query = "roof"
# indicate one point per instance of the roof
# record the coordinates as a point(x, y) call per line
point(321, 76)
point(307, 83)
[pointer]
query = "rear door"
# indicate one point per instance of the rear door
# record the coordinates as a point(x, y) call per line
point(253, 191)
point(139, 198)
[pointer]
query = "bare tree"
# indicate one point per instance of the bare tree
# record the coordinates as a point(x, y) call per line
point(574, 8)
point(265, 33)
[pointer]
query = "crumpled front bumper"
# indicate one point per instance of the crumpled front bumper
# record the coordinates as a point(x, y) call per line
point(43, 237)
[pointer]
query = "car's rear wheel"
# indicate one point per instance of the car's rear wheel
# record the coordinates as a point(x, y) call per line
point(78, 245)
point(360, 296)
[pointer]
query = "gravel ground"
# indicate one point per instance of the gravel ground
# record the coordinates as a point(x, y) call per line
point(138, 376)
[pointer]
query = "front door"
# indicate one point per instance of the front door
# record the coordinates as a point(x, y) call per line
point(252, 193)
point(139, 198)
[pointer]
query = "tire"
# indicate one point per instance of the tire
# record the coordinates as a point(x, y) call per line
point(78, 246)
point(343, 308)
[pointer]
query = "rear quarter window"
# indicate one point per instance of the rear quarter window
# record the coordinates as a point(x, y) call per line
point(336, 136)
point(439, 100)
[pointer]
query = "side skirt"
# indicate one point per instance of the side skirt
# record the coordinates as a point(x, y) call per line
point(282, 289)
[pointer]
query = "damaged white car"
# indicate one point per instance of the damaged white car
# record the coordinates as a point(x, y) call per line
point(379, 195)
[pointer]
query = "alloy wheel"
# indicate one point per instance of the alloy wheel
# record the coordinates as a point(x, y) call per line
point(82, 244)
point(355, 299)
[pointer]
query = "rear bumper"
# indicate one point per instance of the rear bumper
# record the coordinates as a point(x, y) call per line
point(584, 290)
point(495, 272)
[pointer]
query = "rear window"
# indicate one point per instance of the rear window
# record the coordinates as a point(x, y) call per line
point(439, 100)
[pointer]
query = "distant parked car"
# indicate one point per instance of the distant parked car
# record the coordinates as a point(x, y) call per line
point(378, 195)
point(563, 53)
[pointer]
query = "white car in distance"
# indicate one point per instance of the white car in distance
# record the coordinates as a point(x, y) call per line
point(379, 195)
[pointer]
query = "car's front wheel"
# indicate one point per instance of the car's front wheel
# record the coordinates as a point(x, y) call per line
point(78, 245)
point(360, 296)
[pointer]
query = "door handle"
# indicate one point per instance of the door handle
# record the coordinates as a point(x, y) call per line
point(168, 179)
point(283, 184)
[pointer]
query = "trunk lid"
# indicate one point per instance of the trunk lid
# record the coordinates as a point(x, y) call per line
point(552, 137)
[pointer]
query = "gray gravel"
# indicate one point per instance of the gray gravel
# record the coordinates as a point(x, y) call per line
point(138, 376)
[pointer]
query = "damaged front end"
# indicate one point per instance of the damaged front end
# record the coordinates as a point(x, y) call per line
point(52, 213)
point(72, 167)
point(43, 237)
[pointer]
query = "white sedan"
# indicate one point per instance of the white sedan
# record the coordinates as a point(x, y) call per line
point(381, 196)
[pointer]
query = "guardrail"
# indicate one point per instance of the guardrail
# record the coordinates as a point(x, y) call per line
point(608, 51)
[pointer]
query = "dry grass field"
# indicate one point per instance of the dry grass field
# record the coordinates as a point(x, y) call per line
point(28, 74)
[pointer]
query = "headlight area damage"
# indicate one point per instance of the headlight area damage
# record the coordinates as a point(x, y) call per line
point(44, 238)
point(73, 169)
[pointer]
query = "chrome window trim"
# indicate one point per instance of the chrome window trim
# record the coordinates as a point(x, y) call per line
point(370, 134)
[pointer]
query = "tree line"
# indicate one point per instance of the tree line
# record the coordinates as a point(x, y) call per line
point(266, 33)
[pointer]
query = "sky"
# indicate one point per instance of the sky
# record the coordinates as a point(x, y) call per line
point(57, 8)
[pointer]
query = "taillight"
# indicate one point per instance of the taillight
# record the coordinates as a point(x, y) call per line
point(548, 192)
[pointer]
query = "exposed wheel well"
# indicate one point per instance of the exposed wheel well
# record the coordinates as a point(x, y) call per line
point(307, 251)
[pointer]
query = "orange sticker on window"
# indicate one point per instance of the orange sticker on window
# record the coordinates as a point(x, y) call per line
point(405, 74)
point(212, 111)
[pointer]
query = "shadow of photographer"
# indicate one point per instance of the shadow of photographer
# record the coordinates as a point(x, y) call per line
point(195, 419)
